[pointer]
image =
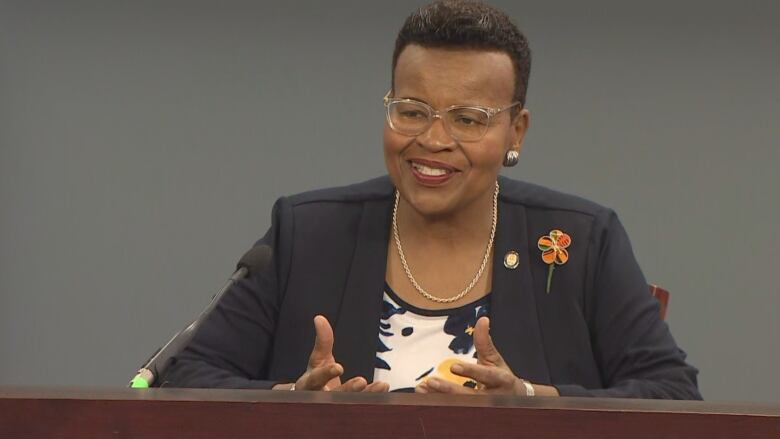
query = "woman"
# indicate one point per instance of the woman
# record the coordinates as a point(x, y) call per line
point(445, 277)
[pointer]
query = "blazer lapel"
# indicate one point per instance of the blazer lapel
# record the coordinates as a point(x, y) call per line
point(357, 326)
point(514, 324)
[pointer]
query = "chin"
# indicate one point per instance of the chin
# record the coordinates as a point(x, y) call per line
point(431, 210)
point(429, 203)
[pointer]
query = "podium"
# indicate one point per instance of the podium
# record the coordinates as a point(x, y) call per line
point(214, 413)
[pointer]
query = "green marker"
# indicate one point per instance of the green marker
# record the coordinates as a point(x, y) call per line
point(142, 379)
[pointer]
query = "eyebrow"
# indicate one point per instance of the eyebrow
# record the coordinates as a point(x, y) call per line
point(411, 98)
point(449, 106)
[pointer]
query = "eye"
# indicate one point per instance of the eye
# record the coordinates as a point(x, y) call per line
point(410, 111)
point(412, 114)
point(467, 120)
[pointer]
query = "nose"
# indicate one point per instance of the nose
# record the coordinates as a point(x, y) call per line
point(436, 137)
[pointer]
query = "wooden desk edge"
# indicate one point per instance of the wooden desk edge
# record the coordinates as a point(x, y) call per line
point(276, 397)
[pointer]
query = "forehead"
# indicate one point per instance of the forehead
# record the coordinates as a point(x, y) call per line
point(445, 76)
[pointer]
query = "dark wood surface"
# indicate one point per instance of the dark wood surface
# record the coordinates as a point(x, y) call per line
point(193, 413)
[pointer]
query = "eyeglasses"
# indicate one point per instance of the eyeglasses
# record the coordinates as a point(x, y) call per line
point(463, 123)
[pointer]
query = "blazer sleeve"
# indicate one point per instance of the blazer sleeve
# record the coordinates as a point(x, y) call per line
point(232, 347)
point(635, 351)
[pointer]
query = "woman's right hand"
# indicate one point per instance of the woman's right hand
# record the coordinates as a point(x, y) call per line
point(323, 372)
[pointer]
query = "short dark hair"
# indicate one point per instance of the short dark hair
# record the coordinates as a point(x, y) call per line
point(467, 24)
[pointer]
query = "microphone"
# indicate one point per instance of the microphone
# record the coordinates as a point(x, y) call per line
point(254, 260)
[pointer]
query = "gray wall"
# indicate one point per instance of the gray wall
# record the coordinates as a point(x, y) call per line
point(142, 144)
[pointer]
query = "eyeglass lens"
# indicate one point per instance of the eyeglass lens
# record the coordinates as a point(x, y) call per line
point(411, 118)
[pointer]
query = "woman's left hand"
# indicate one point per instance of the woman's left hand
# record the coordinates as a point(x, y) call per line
point(491, 372)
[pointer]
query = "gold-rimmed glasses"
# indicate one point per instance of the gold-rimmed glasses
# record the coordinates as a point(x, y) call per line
point(464, 123)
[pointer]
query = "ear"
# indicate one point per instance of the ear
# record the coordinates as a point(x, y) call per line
point(520, 124)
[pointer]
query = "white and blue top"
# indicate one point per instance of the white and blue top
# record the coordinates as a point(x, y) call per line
point(416, 343)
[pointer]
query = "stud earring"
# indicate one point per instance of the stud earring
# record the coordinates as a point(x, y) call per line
point(511, 158)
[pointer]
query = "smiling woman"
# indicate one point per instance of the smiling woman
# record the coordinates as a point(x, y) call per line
point(450, 167)
point(432, 276)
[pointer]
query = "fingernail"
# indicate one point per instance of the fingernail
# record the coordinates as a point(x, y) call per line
point(357, 385)
point(433, 382)
point(334, 369)
point(456, 368)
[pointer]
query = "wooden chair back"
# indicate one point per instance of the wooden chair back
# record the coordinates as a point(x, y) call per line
point(662, 296)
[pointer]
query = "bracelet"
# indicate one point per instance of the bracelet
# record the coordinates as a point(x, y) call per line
point(529, 389)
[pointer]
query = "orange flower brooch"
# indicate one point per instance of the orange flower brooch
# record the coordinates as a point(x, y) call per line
point(553, 247)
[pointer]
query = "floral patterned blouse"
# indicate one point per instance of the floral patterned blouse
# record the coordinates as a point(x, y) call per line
point(416, 343)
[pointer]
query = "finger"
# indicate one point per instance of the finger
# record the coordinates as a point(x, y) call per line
point(332, 384)
point(483, 343)
point(356, 384)
point(421, 388)
point(317, 378)
point(491, 376)
point(323, 342)
point(436, 385)
point(377, 387)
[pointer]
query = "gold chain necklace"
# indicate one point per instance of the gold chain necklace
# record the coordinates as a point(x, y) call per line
point(474, 281)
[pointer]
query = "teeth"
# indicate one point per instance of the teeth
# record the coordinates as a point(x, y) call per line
point(426, 170)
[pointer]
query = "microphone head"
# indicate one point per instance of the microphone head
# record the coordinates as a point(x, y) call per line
point(256, 259)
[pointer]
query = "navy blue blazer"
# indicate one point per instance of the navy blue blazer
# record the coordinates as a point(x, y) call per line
point(596, 333)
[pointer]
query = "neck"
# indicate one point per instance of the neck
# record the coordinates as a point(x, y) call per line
point(470, 223)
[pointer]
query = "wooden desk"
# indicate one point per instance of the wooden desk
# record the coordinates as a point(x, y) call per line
point(194, 413)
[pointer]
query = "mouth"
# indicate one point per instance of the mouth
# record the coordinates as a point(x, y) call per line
point(432, 173)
